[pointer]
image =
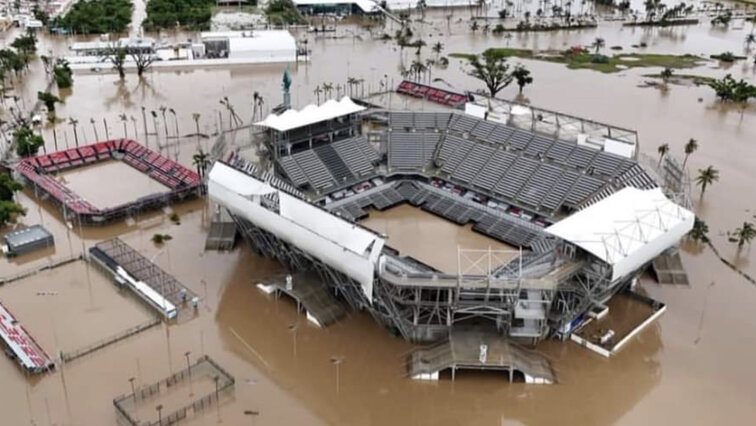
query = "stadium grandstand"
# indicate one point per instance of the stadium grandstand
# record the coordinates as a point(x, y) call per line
point(39, 172)
point(584, 217)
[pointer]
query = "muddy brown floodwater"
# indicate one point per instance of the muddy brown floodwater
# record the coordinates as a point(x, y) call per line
point(692, 367)
point(412, 231)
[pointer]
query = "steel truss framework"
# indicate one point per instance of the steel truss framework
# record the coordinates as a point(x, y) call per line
point(429, 306)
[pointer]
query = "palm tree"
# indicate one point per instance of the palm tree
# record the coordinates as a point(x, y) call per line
point(706, 177)
point(328, 89)
point(196, 118)
point(351, 81)
point(163, 110)
point(175, 121)
point(124, 120)
point(750, 38)
point(94, 128)
point(663, 150)
point(317, 92)
point(690, 148)
point(74, 122)
point(200, 161)
point(700, 231)
point(598, 44)
point(743, 234)
point(429, 63)
point(437, 48)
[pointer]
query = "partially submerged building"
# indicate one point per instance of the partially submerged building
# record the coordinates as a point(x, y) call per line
point(27, 239)
point(583, 216)
point(212, 49)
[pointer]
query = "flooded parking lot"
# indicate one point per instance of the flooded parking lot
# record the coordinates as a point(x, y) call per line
point(689, 368)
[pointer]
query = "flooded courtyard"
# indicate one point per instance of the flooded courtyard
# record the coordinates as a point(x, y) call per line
point(690, 367)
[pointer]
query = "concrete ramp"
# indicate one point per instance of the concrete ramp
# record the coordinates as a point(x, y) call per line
point(310, 294)
point(474, 350)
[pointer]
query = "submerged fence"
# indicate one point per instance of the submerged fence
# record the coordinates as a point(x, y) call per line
point(203, 367)
point(78, 353)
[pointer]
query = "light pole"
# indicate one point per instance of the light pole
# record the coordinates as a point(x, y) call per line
point(703, 311)
point(159, 409)
point(293, 329)
point(337, 360)
point(252, 413)
point(188, 366)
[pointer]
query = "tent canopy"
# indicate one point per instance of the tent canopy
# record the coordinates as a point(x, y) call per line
point(627, 229)
point(311, 114)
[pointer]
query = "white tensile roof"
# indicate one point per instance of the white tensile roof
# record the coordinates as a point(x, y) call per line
point(627, 229)
point(293, 119)
point(366, 5)
point(349, 248)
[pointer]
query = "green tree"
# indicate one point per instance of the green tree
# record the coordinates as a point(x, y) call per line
point(62, 74)
point(690, 148)
point(201, 161)
point(117, 57)
point(743, 234)
point(522, 76)
point(666, 74)
point(27, 143)
point(49, 100)
point(492, 70)
point(97, 16)
point(706, 177)
point(437, 48)
point(700, 231)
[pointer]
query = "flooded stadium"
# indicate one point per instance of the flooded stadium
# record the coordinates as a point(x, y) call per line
point(690, 366)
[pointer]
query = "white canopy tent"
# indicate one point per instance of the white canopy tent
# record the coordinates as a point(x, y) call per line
point(311, 114)
point(627, 229)
point(346, 247)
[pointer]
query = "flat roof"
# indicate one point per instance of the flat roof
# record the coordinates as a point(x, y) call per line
point(311, 114)
point(364, 5)
point(626, 229)
point(27, 235)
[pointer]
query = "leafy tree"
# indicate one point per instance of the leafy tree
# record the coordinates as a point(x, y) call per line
point(284, 12)
point(522, 76)
point(9, 211)
point(27, 143)
point(25, 44)
point(49, 100)
point(666, 74)
point(143, 61)
point(8, 187)
point(117, 57)
point(730, 90)
point(700, 231)
point(706, 177)
point(62, 74)
point(492, 70)
point(97, 16)
point(690, 148)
